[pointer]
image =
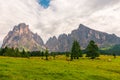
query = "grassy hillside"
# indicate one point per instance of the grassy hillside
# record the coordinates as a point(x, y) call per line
point(105, 68)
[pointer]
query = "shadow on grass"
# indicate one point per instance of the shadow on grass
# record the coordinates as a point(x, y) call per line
point(4, 77)
point(111, 70)
point(96, 77)
point(3, 65)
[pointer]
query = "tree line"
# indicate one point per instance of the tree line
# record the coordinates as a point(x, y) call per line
point(13, 52)
point(91, 51)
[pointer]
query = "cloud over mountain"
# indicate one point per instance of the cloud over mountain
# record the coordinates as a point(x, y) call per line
point(61, 16)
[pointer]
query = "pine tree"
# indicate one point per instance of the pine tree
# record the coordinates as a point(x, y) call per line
point(23, 53)
point(17, 52)
point(114, 55)
point(1, 51)
point(42, 54)
point(92, 50)
point(12, 52)
point(46, 54)
point(7, 51)
point(75, 51)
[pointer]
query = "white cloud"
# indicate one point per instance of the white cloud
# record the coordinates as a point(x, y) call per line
point(61, 16)
point(106, 20)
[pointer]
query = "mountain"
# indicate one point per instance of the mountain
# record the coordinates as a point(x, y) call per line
point(22, 37)
point(83, 35)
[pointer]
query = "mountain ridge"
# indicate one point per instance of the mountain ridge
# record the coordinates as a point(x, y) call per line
point(63, 43)
point(83, 35)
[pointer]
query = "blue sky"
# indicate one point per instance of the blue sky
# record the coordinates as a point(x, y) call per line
point(44, 3)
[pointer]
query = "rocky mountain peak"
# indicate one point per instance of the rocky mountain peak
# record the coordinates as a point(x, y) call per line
point(21, 28)
point(22, 37)
point(82, 26)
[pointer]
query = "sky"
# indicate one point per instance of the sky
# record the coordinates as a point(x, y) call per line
point(44, 3)
point(54, 17)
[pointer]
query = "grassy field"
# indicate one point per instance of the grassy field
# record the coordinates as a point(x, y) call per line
point(37, 69)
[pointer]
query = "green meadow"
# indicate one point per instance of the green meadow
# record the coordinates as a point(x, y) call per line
point(35, 68)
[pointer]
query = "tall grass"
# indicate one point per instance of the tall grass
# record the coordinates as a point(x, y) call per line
point(34, 68)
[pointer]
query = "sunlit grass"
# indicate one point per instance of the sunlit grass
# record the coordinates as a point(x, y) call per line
point(34, 68)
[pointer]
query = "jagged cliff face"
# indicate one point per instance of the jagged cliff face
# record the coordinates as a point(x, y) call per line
point(83, 35)
point(21, 37)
